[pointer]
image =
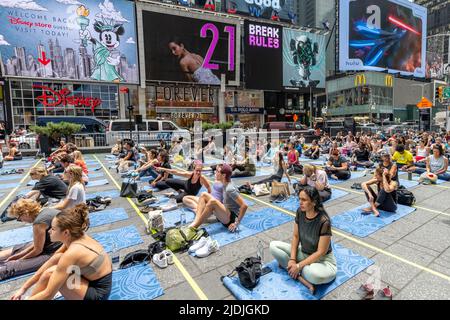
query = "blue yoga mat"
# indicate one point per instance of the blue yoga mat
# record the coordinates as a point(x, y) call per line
point(18, 163)
point(172, 218)
point(8, 185)
point(355, 175)
point(108, 193)
point(252, 223)
point(135, 283)
point(96, 183)
point(95, 175)
point(362, 225)
point(293, 203)
point(11, 177)
point(278, 285)
point(122, 238)
point(25, 234)
point(408, 184)
point(17, 236)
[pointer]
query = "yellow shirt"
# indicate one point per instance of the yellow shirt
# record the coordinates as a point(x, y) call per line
point(405, 158)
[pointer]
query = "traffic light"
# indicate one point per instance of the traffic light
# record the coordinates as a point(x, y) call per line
point(439, 93)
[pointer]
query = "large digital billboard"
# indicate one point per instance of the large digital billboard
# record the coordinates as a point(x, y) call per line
point(188, 49)
point(263, 56)
point(304, 59)
point(382, 34)
point(69, 39)
point(278, 10)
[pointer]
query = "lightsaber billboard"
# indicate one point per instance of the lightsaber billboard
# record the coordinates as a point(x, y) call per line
point(382, 35)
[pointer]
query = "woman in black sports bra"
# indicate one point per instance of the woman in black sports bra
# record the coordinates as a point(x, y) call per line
point(79, 270)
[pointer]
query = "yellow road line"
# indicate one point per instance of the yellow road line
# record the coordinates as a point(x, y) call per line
point(184, 272)
point(13, 191)
point(360, 242)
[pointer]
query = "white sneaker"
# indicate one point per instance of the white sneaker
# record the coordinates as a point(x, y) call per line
point(169, 256)
point(210, 247)
point(198, 244)
point(171, 205)
point(160, 259)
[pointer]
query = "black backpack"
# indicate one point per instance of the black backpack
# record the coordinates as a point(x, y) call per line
point(249, 272)
point(405, 197)
point(140, 256)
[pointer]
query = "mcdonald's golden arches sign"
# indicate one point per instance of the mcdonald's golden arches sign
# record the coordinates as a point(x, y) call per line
point(389, 81)
point(360, 80)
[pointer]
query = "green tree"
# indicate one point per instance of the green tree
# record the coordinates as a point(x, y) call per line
point(56, 131)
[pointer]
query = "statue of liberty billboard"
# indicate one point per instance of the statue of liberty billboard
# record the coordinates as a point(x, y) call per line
point(105, 46)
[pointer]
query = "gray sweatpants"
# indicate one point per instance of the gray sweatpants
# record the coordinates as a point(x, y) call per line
point(320, 272)
point(19, 267)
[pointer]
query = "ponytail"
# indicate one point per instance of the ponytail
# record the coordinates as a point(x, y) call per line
point(76, 220)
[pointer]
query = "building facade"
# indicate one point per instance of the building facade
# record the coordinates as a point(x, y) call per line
point(376, 96)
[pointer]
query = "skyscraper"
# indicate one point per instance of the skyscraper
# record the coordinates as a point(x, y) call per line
point(21, 60)
point(44, 71)
point(70, 64)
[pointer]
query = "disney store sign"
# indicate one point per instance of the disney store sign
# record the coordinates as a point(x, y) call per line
point(64, 97)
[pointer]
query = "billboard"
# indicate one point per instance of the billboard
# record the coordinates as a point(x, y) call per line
point(435, 65)
point(304, 59)
point(263, 47)
point(382, 34)
point(66, 39)
point(188, 49)
point(277, 10)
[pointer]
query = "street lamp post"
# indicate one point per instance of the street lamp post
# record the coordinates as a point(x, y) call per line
point(310, 107)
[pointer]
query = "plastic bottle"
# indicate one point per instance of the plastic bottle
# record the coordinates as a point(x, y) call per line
point(115, 257)
point(260, 250)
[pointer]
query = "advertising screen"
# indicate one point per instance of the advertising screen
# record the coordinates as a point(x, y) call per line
point(281, 10)
point(186, 49)
point(67, 39)
point(383, 34)
point(304, 59)
point(263, 47)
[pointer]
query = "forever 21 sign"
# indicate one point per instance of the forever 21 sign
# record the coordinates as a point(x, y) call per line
point(63, 97)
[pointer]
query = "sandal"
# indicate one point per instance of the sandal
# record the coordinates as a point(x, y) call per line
point(365, 292)
point(385, 294)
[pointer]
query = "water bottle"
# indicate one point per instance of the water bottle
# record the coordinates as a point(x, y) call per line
point(409, 175)
point(260, 251)
point(115, 257)
point(182, 218)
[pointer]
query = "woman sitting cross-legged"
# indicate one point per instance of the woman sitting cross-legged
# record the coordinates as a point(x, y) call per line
point(29, 257)
point(386, 196)
point(318, 179)
point(436, 163)
point(309, 258)
point(279, 169)
point(79, 270)
point(337, 167)
point(190, 187)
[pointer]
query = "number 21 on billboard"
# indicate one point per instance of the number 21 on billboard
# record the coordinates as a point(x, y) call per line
point(215, 32)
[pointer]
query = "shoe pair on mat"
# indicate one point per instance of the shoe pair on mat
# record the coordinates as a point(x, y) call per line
point(204, 247)
point(163, 259)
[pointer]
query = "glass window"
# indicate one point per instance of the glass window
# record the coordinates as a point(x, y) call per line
point(142, 126)
point(87, 88)
point(121, 126)
point(28, 94)
point(77, 88)
point(28, 102)
point(153, 126)
point(17, 93)
point(168, 126)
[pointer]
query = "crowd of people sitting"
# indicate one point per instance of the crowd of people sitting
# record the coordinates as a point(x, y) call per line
point(56, 206)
